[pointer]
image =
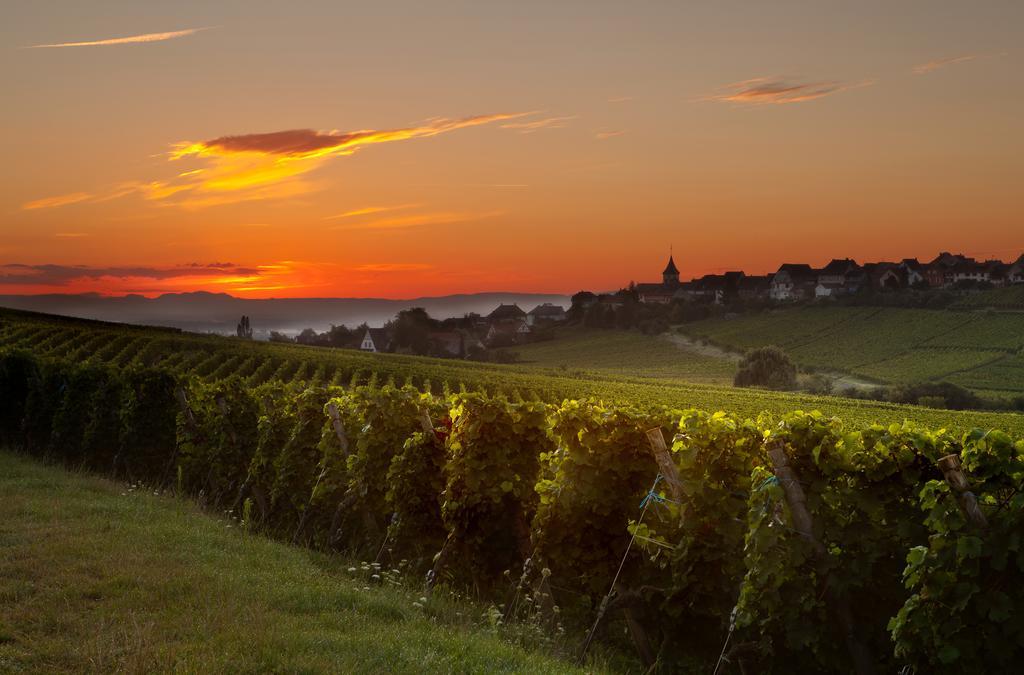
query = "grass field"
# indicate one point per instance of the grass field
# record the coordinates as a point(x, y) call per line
point(209, 357)
point(95, 577)
point(979, 350)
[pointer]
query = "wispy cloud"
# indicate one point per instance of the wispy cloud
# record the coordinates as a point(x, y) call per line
point(418, 220)
point(777, 91)
point(129, 40)
point(56, 201)
point(924, 68)
point(263, 166)
point(369, 210)
point(605, 135)
point(298, 144)
point(535, 125)
point(620, 99)
point(393, 267)
point(71, 235)
point(62, 275)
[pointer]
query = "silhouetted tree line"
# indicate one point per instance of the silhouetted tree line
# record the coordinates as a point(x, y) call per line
point(623, 310)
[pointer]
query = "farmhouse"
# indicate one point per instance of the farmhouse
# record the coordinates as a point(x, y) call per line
point(375, 340)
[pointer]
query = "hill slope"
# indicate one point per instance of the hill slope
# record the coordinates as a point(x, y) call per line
point(208, 357)
point(983, 351)
point(98, 578)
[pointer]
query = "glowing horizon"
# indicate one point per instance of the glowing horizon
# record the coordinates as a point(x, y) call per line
point(436, 155)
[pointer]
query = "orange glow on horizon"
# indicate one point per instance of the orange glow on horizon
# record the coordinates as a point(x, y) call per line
point(439, 156)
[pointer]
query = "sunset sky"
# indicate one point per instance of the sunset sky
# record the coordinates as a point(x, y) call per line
point(403, 149)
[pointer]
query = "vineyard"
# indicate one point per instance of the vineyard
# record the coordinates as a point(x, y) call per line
point(978, 350)
point(625, 353)
point(210, 358)
point(777, 543)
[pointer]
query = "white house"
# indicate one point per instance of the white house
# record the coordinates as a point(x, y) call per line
point(792, 282)
point(375, 340)
point(828, 290)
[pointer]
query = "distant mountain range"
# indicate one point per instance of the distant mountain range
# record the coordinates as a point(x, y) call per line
point(203, 312)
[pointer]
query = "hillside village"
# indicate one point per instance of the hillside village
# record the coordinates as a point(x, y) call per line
point(471, 335)
point(653, 306)
point(800, 281)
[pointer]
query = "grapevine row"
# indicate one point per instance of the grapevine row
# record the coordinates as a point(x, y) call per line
point(782, 544)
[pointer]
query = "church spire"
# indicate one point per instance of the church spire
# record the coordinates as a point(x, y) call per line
point(670, 277)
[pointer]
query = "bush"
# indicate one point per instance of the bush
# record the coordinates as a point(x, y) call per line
point(936, 395)
point(766, 367)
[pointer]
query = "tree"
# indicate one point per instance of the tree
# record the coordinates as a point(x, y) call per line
point(308, 336)
point(766, 367)
point(244, 330)
point(411, 329)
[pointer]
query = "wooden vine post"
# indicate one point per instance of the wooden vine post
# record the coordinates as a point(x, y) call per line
point(190, 418)
point(222, 405)
point(339, 428)
point(953, 472)
point(803, 524)
point(667, 467)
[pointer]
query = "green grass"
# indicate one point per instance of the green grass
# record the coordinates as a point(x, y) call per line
point(886, 344)
point(95, 577)
point(627, 353)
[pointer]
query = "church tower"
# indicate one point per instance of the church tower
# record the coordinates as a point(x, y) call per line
point(670, 277)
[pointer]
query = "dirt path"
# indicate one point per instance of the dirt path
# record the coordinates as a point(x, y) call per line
point(688, 344)
point(840, 381)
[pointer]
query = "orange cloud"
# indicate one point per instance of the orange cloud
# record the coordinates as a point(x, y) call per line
point(262, 166)
point(132, 39)
point(768, 90)
point(605, 135)
point(393, 267)
point(418, 220)
point(298, 144)
point(369, 210)
point(942, 63)
point(59, 200)
point(548, 123)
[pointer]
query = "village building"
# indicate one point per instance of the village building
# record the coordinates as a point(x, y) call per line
point(940, 271)
point(754, 287)
point(835, 273)
point(793, 281)
point(546, 313)
point(913, 273)
point(1015, 273)
point(375, 340)
point(507, 332)
point(990, 271)
point(885, 276)
point(505, 313)
point(666, 291)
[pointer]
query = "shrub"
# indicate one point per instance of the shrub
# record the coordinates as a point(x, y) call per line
point(766, 367)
